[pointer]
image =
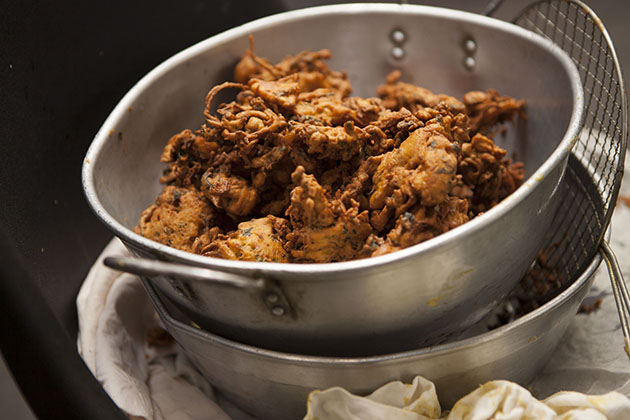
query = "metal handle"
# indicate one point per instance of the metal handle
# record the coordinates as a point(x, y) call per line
point(271, 292)
point(152, 268)
point(620, 291)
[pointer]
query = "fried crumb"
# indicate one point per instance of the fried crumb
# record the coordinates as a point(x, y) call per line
point(590, 308)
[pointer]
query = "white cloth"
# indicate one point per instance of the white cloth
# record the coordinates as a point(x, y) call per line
point(159, 383)
point(396, 401)
point(496, 400)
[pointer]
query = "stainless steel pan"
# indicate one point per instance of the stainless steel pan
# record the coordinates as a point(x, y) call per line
point(274, 385)
point(417, 296)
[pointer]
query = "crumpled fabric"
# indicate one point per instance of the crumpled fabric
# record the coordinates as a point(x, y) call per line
point(415, 401)
point(495, 400)
point(145, 381)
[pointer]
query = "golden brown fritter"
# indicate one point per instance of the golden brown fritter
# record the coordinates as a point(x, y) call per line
point(422, 223)
point(231, 193)
point(486, 109)
point(254, 240)
point(487, 172)
point(296, 170)
point(313, 73)
point(336, 143)
point(178, 218)
point(244, 121)
point(422, 170)
point(280, 94)
point(396, 95)
point(323, 229)
point(188, 155)
point(321, 107)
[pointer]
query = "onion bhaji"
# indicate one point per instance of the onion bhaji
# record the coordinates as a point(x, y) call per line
point(295, 169)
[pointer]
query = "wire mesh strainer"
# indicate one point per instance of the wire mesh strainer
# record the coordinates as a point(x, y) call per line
point(601, 147)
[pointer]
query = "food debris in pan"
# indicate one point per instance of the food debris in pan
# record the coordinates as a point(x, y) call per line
point(542, 283)
point(295, 169)
point(591, 306)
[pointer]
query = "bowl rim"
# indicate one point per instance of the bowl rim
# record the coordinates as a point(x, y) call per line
point(253, 268)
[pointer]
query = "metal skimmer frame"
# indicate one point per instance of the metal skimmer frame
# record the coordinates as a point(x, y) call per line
point(600, 149)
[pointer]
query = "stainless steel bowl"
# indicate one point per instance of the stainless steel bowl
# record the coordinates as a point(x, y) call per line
point(417, 296)
point(274, 385)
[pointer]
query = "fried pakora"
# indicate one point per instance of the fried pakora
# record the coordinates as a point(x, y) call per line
point(295, 169)
point(323, 228)
point(180, 218)
point(254, 240)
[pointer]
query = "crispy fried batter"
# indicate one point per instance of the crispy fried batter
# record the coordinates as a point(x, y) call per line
point(280, 93)
point(188, 155)
point(313, 73)
point(422, 223)
point(422, 170)
point(323, 229)
point(337, 143)
point(229, 192)
point(296, 170)
point(396, 95)
point(178, 217)
point(254, 240)
point(486, 109)
point(487, 172)
point(242, 122)
point(321, 107)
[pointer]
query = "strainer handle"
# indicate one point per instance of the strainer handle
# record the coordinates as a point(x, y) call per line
point(620, 291)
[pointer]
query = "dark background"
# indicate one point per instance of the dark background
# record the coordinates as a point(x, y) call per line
point(63, 67)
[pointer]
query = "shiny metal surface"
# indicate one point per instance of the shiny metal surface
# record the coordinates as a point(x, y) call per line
point(404, 300)
point(273, 385)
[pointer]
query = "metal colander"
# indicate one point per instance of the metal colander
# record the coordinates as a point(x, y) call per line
point(600, 149)
point(433, 290)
